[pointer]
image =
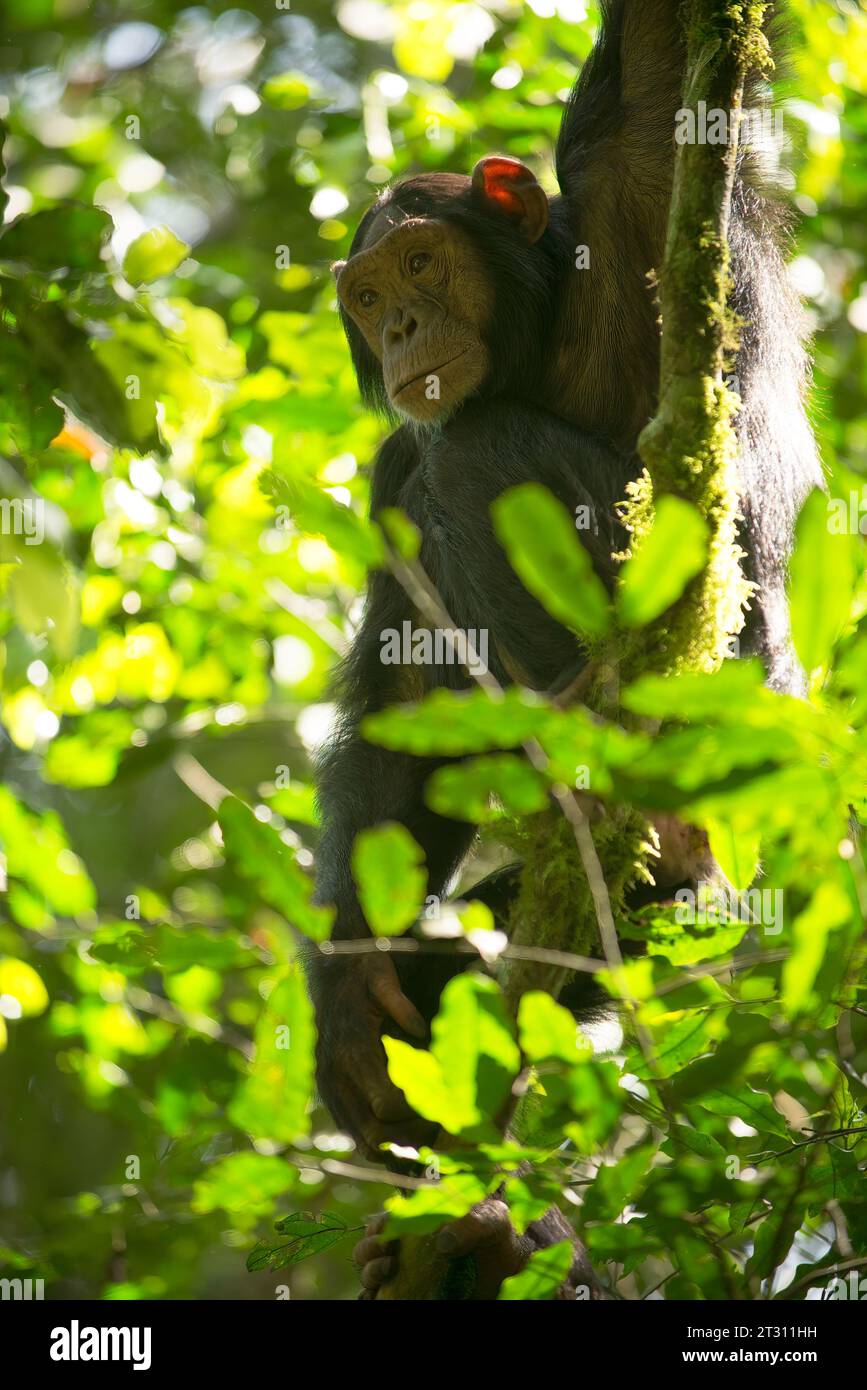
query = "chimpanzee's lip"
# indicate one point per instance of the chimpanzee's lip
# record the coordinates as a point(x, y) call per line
point(429, 371)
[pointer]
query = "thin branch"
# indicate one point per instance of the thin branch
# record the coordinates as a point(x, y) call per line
point(808, 1279)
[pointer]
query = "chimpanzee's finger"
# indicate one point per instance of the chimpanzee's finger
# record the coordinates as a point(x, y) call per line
point(372, 1246)
point(369, 1132)
point(372, 1079)
point(352, 1113)
point(366, 1251)
point(377, 1272)
point(488, 1221)
point(407, 1134)
point(384, 985)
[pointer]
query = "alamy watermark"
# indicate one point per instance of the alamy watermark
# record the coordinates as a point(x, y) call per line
point(712, 904)
point(77, 1343)
point(847, 516)
point(853, 1289)
point(23, 516)
point(439, 646)
point(716, 126)
point(23, 1290)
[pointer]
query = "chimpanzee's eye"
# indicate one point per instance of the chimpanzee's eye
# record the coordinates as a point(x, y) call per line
point(418, 262)
point(368, 298)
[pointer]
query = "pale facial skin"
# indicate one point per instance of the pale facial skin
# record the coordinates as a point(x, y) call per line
point(418, 294)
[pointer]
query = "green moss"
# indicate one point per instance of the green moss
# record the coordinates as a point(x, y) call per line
point(554, 907)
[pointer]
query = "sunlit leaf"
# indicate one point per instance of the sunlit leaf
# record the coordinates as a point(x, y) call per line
point(467, 1074)
point(156, 252)
point(242, 1182)
point(736, 849)
point(828, 908)
point(542, 1276)
point(821, 579)
point(389, 871)
point(271, 1103)
point(21, 982)
point(548, 1031)
point(263, 858)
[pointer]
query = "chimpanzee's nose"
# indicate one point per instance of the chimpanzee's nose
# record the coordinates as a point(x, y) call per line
point(400, 328)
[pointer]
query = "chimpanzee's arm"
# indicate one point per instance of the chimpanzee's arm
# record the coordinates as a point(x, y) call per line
point(615, 162)
point(619, 122)
point(360, 785)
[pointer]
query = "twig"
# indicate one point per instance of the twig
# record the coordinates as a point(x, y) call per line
point(809, 1279)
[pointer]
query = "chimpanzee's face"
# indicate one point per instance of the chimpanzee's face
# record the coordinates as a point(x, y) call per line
point(420, 297)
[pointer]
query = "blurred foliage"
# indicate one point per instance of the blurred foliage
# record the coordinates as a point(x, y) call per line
point(181, 432)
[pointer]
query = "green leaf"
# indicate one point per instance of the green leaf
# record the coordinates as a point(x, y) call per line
point(821, 582)
point(307, 1236)
point(548, 1031)
point(262, 858)
point(616, 1185)
point(828, 908)
point(684, 943)
point(725, 694)
point(172, 948)
point(463, 1081)
point(154, 253)
point(69, 237)
point(314, 510)
point(464, 790)
point(388, 867)
point(690, 1036)
point(539, 538)
point(289, 91)
point(735, 846)
point(242, 1182)
point(38, 853)
point(753, 1107)
point(696, 1141)
point(542, 1275)
point(596, 1100)
point(672, 553)
point(458, 722)
point(271, 1103)
point(75, 761)
point(21, 981)
point(774, 1236)
point(420, 1076)
point(425, 1210)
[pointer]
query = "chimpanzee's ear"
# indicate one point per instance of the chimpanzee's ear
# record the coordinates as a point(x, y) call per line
point(336, 267)
point(511, 188)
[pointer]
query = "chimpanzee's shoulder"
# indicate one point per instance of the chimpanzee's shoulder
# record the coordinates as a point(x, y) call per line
point(397, 459)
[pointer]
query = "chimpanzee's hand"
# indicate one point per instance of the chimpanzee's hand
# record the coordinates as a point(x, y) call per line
point(359, 998)
point(487, 1234)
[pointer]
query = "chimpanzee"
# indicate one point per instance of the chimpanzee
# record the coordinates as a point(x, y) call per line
point(517, 335)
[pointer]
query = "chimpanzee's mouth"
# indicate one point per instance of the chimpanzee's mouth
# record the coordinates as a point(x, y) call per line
point(429, 371)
